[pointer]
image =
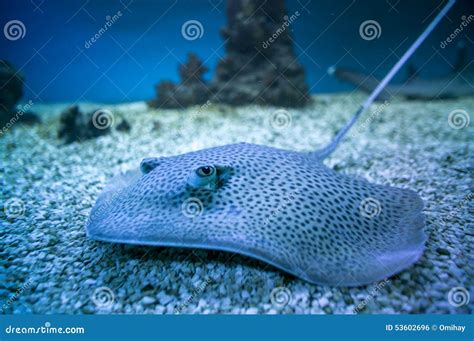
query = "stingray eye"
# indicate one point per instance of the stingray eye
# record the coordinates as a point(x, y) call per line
point(206, 171)
point(208, 177)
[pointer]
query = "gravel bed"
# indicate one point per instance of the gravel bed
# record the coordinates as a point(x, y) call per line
point(47, 265)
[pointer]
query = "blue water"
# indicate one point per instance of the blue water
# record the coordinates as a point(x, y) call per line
point(145, 44)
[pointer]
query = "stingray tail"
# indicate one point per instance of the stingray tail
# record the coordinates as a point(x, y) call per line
point(326, 151)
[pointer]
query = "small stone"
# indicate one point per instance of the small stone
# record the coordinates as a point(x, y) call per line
point(147, 300)
point(323, 302)
point(164, 299)
point(147, 287)
point(124, 126)
point(251, 311)
point(87, 310)
point(443, 251)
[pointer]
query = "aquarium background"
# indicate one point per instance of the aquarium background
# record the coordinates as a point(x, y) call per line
point(88, 113)
point(145, 44)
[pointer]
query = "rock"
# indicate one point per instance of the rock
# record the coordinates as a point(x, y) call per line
point(147, 300)
point(443, 251)
point(124, 126)
point(260, 65)
point(77, 126)
point(11, 91)
point(159, 309)
point(245, 294)
point(147, 287)
point(164, 299)
point(192, 89)
point(11, 85)
point(157, 125)
point(87, 310)
point(251, 311)
point(323, 302)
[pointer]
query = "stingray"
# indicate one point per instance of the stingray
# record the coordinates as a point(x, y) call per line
point(283, 207)
point(456, 84)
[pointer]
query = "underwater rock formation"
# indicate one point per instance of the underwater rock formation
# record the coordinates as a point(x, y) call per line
point(260, 66)
point(192, 89)
point(11, 91)
point(124, 126)
point(75, 125)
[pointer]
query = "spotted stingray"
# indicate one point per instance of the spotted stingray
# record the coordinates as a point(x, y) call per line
point(283, 207)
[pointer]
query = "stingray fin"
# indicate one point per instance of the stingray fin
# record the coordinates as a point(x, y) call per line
point(109, 195)
point(393, 240)
point(406, 231)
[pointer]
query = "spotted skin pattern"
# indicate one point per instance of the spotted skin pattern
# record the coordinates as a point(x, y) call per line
point(283, 207)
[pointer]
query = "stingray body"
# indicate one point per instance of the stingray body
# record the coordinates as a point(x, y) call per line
point(283, 207)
